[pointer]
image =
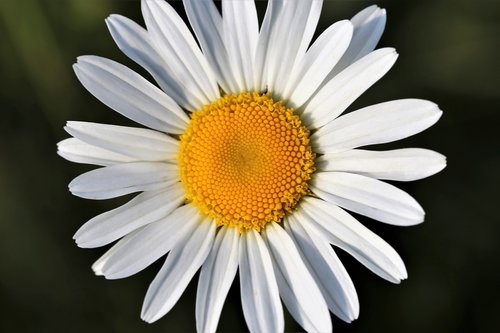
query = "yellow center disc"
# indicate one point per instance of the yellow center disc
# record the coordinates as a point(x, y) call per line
point(245, 160)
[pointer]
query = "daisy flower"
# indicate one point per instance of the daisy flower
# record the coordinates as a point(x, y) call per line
point(247, 162)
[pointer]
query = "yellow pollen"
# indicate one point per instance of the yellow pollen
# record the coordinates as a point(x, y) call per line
point(245, 160)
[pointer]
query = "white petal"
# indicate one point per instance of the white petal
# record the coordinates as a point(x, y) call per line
point(299, 28)
point(77, 151)
point(298, 289)
point(325, 267)
point(140, 249)
point(136, 43)
point(117, 180)
point(216, 276)
point(367, 196)
point(399, 164)
point(264, 43)
point(138, 143)
point(130, 94)
point(336, 96)
point(259, 290)
point(145, 208)
point(286, 32)
point(241, 33)
point(368, 25)
point(380, 123)
point(317, 63)
point(178, 270)
point(206, 22)
point(344, 231)
point(98, 265)
point(178, 48)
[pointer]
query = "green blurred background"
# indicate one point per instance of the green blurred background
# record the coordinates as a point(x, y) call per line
point(448, 54)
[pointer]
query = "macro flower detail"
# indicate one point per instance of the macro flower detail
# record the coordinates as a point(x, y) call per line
point(246, 161)
point(246, 139)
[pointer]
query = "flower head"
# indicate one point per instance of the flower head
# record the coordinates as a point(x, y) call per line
point(247, 162)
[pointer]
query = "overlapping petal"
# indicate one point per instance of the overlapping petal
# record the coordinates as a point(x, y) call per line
point(216, 276)
point(206, 22)
point(145, 208)
point(121, 179)
point(130, 94)
point(367, 196)
point(139, 143)
point(77, 151)
point(179, 50)
point(325, 267)
point(259, 289)
point(344, 231)
point(368, 25)
point(135, 42)
point(241, 32)
point(178, 270)
point(298, 290)
point(336, 95)
point(141, 248)
point(312, 69)
point(379, 123)
point(286, 32)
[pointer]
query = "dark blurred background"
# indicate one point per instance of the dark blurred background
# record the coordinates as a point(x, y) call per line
point(448, 54)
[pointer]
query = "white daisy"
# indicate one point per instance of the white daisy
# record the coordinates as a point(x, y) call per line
point(248, 163)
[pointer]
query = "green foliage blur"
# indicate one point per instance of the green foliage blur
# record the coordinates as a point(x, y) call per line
point(448, 54)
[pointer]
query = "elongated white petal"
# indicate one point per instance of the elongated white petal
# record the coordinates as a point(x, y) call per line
point(206, 22)
point(380, 123)
point(325, 267)
point(130, 94)
point(145, 208)
point(367, 196)
point(117, 180)
point(259, 290)
point(298, 290)
point(135, 42)
point(77, 151)
point(99, 263)
point(216, 276)
point(138, 143)
point(344, 231)
point(241, 33)
point(336, 96)
point(317, 63)
point(178, 270)
point(368, 25)
point(297, 30)
point(178, 48)
point(399, 164)
point(140, 249)
point(264, 43)
point(286, 32)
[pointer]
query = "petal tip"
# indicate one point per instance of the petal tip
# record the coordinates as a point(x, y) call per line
point(97, 268)
point(403, 274)
point(112, 17)
point(60, 145)
point(147, 316)
point(82, 59)
point(82, 242)
point(82, 245)
point(67, 128)
point(443, 163)
point(77, 235)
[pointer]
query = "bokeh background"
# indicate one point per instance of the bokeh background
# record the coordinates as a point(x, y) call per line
point(448, 53)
